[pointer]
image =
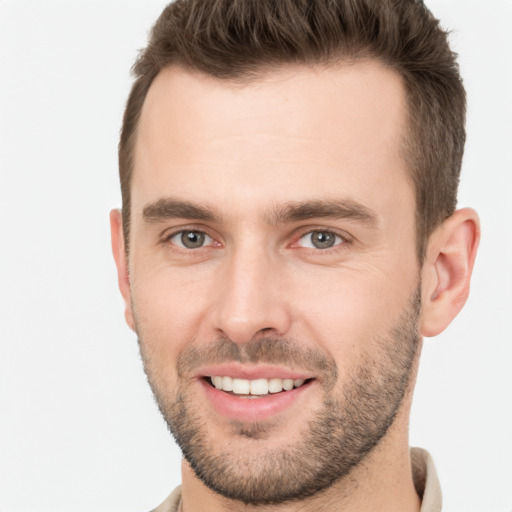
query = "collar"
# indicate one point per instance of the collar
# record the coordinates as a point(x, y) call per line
point(425, 480)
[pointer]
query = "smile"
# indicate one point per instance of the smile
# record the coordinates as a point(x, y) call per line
point(254, 394)
point(255, 387)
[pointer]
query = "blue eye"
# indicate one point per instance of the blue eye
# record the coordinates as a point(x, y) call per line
point(320, 240)
point(190, 239)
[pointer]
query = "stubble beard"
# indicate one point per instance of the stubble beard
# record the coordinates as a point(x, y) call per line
point(348, 424)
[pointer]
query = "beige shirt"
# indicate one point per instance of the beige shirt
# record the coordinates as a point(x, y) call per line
point(423, 471)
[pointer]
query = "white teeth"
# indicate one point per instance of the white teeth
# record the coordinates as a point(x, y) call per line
point(275, 385)
point(256, 386)
point(287, 384)
point(259, 387)
point(227, 384)
point(241, 386)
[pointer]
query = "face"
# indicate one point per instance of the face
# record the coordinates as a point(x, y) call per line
point(273, 275)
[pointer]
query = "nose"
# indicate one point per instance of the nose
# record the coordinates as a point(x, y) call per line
point(251, 299)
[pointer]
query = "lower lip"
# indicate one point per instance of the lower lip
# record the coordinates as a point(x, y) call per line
point(252, 409)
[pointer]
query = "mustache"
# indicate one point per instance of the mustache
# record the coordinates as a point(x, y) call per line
point(269, 350)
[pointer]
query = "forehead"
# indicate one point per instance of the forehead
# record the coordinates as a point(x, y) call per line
point(293, 133)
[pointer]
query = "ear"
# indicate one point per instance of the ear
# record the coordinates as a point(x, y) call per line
point(447, 269)
point(120, 256)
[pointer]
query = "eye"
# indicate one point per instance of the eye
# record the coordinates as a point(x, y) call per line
point(190, 239)
point(320, 240)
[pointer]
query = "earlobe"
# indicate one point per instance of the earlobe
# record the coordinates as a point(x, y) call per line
point(447, 270)
point(120, 257)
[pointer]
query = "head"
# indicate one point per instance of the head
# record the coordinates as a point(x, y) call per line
point(289, 175)
point(241, 41)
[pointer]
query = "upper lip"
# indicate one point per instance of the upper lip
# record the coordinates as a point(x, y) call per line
point(251, 372)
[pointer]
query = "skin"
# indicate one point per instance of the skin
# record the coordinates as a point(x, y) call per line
point(244, 152)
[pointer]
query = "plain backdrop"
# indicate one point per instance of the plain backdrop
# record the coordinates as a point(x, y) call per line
point(78, 427)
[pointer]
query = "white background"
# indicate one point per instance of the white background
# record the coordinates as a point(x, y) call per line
point(78, 427)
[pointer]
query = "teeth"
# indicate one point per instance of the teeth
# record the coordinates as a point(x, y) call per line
point(241, 386)
point(259, 387)
point(287, 384)
point(227, 383)
point(255, 387)
point(275, 385)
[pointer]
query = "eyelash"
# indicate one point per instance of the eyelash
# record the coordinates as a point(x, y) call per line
point(168, 238)
point(344, 239)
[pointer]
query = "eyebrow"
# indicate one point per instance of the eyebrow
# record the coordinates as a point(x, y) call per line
point(294, 211)
point(167, 208)
point(332, 209)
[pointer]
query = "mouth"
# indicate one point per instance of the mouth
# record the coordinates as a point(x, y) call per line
point(255, 394)
point(254, 388)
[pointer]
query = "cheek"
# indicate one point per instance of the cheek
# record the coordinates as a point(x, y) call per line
point(350, 313)
point(168, 306)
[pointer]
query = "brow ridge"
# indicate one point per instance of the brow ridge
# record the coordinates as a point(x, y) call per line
point(295, 211)
point(292, 211)
point(169, 208)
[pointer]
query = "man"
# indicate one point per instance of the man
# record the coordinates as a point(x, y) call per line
point(288, 235)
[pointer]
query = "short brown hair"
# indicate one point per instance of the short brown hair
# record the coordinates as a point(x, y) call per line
point(240, 39)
